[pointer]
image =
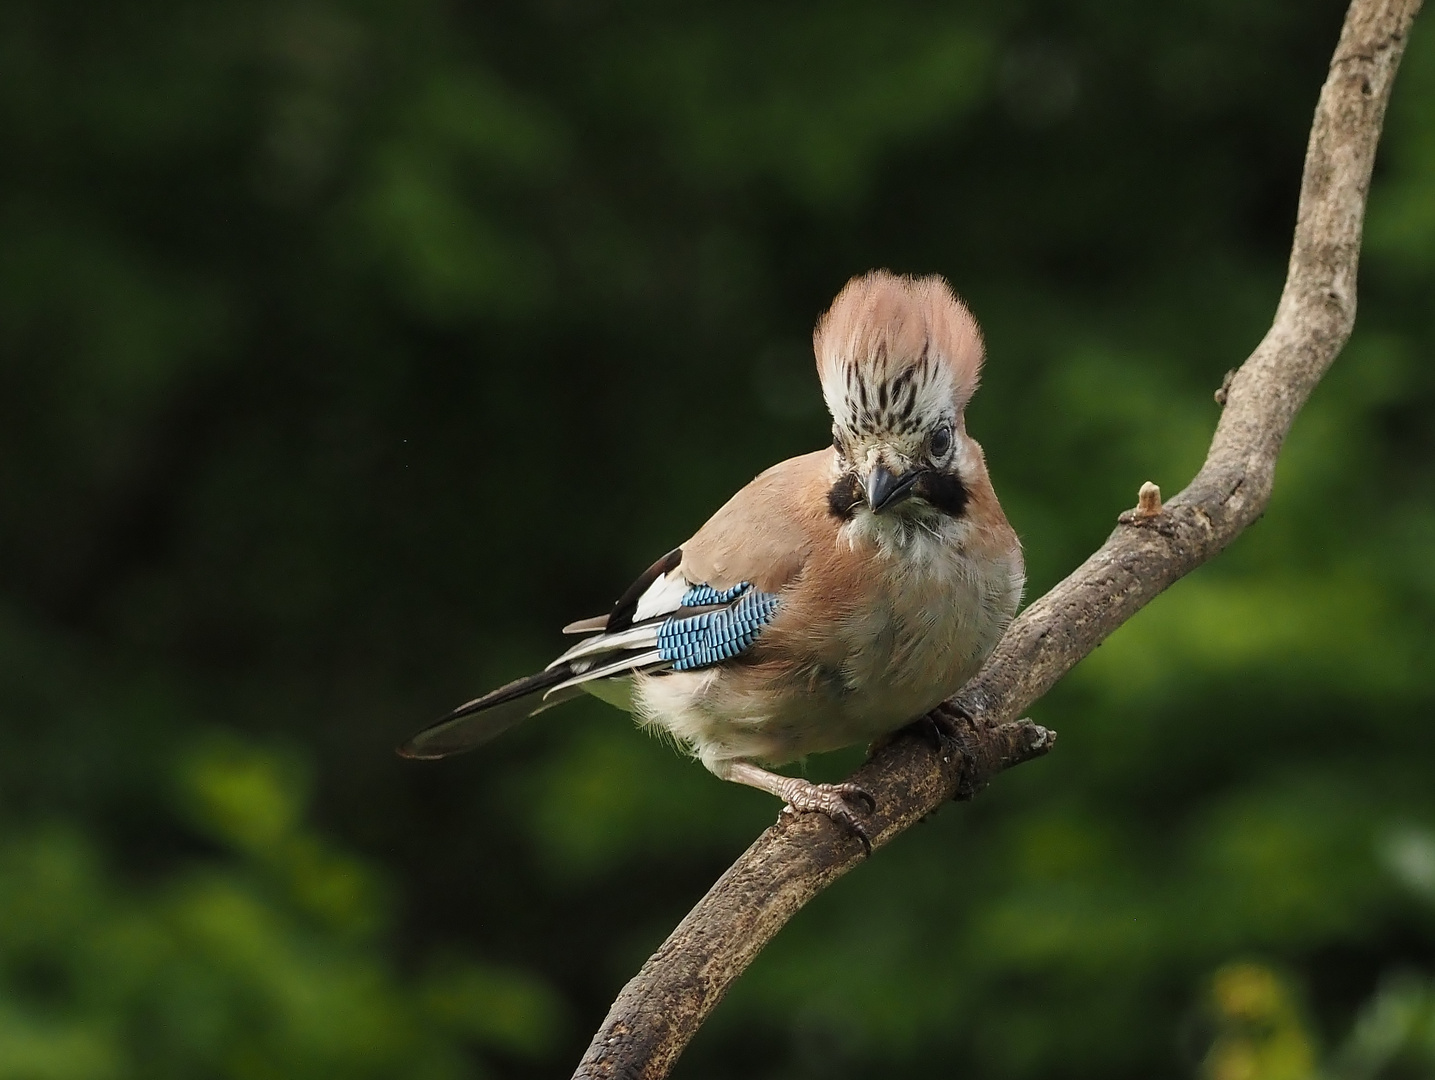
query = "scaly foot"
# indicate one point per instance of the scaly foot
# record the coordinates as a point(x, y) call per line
point(803, 796)
point(830, 799)
point(947, 728)
point(954, 728)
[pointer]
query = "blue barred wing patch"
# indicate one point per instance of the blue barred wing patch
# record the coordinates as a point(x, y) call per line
point(714, 636)
point(703, 595)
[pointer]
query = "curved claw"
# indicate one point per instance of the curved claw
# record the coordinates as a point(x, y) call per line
point(936, 730)
point(853, 791)
point(857, 829)
point(946, 727)
point(845, 819)
point(830, 799)
point(951, 727)
point(955, 708)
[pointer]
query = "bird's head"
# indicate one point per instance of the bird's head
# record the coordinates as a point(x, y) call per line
point(899, 359)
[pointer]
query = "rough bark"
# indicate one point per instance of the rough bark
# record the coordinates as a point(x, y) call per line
point(659, 1011)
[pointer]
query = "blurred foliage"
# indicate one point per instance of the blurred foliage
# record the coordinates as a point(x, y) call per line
point(349, 347)
point(255, 961)
point(1261, 1030)
point(1261, 1034)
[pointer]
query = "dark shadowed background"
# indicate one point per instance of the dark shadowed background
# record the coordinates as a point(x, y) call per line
point(348, 349)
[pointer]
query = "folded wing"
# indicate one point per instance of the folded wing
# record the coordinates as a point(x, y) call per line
point(664, 623)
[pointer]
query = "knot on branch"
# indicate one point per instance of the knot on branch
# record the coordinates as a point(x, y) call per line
point(1148, 505)
point(986, 750)
point(1224, 391)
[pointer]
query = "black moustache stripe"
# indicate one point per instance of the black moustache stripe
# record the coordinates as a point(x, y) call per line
point(844, 497)
point(945, 492)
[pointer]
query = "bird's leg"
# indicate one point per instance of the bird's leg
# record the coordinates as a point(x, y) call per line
point(956, 727)
point(804, 796)
point(942, 728)
point(939, 729)
point(946, 728)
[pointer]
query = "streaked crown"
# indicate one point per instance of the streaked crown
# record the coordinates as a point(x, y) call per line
point(894, 351)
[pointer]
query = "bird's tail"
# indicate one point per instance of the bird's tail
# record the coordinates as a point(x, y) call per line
point(593, 661)
point(476, 722)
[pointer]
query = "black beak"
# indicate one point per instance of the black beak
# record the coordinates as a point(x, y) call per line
point(885, 490)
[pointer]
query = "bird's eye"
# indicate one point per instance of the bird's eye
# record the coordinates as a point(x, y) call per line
point(941, 441)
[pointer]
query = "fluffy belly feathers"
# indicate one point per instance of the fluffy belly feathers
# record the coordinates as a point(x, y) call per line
point(909, 637)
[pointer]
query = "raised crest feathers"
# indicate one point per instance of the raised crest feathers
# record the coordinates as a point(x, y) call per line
point(887, 334)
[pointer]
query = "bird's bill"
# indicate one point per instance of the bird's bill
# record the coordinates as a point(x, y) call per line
point(885, 490)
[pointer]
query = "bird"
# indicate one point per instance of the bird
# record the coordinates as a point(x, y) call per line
point(837, 598)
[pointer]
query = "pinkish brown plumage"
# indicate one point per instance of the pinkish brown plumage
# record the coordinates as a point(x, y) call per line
point(884, 326)
point(839, 596)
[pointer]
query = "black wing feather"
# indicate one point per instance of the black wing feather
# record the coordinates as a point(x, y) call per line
point(482, 719)
point(623, 611)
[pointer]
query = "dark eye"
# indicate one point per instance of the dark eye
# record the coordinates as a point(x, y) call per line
point(941, 441)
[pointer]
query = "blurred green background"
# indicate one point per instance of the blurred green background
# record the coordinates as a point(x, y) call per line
point(348, 348)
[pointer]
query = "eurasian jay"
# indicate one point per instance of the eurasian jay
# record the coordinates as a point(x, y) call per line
point(838, 597)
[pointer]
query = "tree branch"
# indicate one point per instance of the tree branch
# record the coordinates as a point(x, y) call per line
point(660, 1010)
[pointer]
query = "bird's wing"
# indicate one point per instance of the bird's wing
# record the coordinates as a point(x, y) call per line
point(763, 536)
point(707, 601)
point(699, 605)
point(483, 719)
point(626, 606)
point(767, 532)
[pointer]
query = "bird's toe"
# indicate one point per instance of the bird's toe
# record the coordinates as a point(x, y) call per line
point(831, 800)
point(938, 731)
point(855, 791)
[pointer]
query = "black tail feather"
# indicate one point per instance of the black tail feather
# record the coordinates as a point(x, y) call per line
point(476, 722)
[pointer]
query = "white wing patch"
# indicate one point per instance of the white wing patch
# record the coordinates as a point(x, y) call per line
point(663, 596)
point(636, 637)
